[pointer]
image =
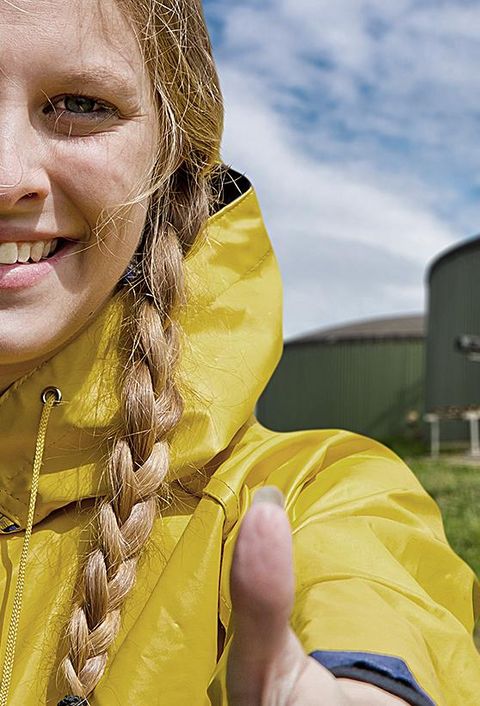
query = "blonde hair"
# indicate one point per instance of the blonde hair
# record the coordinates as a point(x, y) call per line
point(177, 52)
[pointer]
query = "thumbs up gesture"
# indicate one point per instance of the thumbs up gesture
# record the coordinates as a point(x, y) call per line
point(267, 665)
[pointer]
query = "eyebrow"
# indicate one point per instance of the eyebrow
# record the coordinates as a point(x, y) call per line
point(98, 78)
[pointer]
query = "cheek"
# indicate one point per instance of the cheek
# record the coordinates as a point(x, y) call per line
point(93, 177)
point(88, 180)
point(93, 182)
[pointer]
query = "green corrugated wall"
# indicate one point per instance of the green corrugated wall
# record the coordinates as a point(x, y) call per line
point(363, 386)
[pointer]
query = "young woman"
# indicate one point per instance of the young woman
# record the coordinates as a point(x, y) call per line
point(139, 323)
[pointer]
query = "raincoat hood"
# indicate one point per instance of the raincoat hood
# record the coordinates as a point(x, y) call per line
point(232, 343)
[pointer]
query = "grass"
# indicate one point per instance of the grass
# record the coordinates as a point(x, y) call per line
point(456, 489)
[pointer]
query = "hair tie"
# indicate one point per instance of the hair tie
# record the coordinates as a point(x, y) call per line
point(132, 276)
point(129, 276)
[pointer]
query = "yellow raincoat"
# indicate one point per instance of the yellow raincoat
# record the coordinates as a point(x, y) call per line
point(381, 596)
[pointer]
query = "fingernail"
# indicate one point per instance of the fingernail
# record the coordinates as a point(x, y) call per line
point(269, 494)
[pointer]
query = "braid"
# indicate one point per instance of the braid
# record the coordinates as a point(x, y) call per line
point(177, 53)
point(151, 407)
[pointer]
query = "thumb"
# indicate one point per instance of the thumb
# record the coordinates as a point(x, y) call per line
point(261, 580)
point(262, 587)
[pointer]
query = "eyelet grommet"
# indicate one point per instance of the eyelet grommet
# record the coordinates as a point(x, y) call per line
point(51, 391)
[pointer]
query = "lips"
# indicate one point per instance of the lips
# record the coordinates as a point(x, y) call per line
point(23, 275)
point(17, 233)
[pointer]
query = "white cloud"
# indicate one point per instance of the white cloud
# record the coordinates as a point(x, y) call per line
point(310, 208)
point(356, 122)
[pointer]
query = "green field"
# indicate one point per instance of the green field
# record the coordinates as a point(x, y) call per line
point(456, 489)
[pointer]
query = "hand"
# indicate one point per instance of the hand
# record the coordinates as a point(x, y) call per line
point(267, 665)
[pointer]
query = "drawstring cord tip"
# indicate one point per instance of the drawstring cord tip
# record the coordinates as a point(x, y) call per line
point(72, 701)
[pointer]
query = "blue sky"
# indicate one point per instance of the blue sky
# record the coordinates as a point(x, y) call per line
point(358, 122)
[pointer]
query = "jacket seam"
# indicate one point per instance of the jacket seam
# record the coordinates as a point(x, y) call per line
point(333, 514)
point(405, 592)
point(229, 207)
point(220, 501)
point(254, 267)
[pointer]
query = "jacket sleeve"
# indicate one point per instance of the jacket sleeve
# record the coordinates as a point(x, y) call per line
point(381, 596)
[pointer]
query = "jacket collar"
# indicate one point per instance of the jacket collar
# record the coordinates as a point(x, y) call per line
point(233, 341)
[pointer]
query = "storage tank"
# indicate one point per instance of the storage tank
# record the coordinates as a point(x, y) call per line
point(365, 376)
point(453, 338)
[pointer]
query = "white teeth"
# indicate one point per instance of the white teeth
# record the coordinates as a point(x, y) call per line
point(10, 253)
point(23, 252)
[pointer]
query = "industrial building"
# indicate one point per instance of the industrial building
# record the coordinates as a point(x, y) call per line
point(388, 378)
point(367, 377)
point(453, 341)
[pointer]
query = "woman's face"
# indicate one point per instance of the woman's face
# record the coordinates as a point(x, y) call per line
point(77, 136)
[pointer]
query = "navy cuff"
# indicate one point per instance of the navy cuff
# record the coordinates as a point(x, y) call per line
point(388, 673)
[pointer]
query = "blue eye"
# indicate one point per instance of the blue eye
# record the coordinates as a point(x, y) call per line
point(79, 105)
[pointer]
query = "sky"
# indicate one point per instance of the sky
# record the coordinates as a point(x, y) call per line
point(358, 123)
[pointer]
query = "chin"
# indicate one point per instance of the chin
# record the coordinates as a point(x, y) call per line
point(30, 335)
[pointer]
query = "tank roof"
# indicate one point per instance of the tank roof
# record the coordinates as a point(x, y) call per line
point(472, 243)
point(410, 326)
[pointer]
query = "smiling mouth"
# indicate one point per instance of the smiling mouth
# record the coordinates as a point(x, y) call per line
point(27, 253)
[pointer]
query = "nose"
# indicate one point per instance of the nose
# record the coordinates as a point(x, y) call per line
point(24, 183)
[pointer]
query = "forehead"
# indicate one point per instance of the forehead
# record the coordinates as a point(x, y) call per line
point(66, 34)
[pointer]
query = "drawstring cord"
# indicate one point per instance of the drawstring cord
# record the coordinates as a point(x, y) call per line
point(50, 397)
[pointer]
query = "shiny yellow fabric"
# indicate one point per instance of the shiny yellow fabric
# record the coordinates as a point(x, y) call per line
point(375, 572)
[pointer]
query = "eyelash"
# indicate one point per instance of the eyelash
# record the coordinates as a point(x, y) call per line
point(107, 110)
